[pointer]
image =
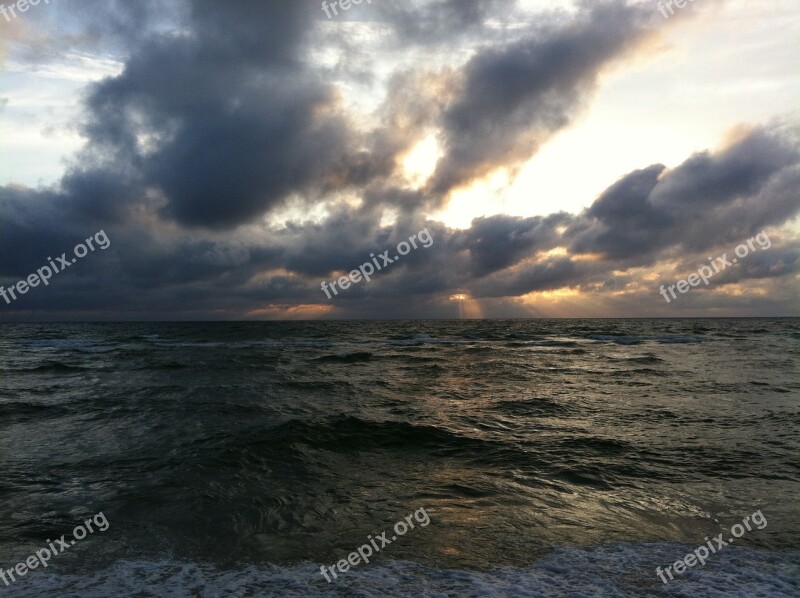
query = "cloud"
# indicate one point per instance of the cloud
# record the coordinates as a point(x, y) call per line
point(224, 121)
point(497, 242)
point(513, 98)
point(709, 200)
point(232, 176)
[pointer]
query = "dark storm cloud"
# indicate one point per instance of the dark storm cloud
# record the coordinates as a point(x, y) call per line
point(551, 274)
point(650, 216)
point(341, 243)
point(223, 121)
point(440, 21)
point(100, 195)
point(709, 200)
point(497, 242)
point(221, 118)
point(516, 96)
point(497, 257)
point(219, 121)
point(226, 120)
point(772, 263)
point(30, 229)
point(622, 222)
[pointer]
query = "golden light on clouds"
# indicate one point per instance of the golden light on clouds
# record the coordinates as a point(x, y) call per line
point(291, 312)
point(420, 162)
point(551, 295)
point(561, 303)
point(482, 197)
point(554, 252)
point(267, 275)
point(433, 133)
point(468, 308)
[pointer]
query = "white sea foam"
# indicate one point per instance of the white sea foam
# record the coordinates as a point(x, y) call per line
point(615, 570)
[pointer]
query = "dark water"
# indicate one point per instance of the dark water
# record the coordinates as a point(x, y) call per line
point(555, 457)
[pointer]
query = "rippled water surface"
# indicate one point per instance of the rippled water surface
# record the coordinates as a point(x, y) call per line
point(552, 456)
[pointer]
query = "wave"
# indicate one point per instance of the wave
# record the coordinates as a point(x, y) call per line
point(623, 569)
point(254, 344)
point(302, 440)
point(51, 366)
point(347, 434)
point(622, 339)
point(635, 374)
point(540, 343)
point(536, 406)
point(64, 343)
point(419, 338)
point(648, 359)
point(33, 409)
point(356, 357)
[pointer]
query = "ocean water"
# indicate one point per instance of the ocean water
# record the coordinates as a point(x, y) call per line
point(553, 457)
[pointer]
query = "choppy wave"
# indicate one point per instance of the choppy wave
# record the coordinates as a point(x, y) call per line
point(419, 338)
point(623, 339)
point(214, 444)
point(352, 433)
point(53, 367)
point(619, 570)
point(68, 344)
point(345, 358)
point(31, 409)
point(63, 343)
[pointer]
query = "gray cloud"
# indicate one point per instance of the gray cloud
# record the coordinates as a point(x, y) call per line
point(500, 241)
point(709, 200)
point(220, 122)
point(515, 97)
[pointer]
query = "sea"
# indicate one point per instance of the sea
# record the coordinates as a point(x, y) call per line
point(552, 457)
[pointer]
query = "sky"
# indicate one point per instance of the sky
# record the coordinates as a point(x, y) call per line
point(550, 158)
